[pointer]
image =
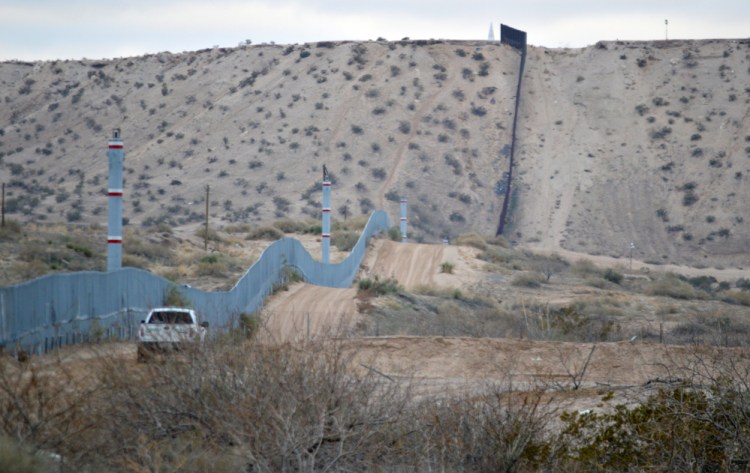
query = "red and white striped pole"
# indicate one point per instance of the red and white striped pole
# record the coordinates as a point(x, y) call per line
point(115, 154)
point(326, 230)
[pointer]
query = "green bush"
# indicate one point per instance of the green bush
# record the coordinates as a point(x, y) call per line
point(743, 283)
point(214, 264)
point(670, 285)
point(379, 287)
point(175, 298)
point(446, 267)
point(264, 233)
point(345, 241)
point(394, 233)
point(673, 430)
point(584, 268)
point(528, 279)
point(471, 239)
point(287, 225)
point(499, 255)
point(613, 276)
point(736, 297)
point(248, 325)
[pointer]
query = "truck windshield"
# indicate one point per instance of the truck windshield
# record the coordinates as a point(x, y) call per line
point(170, 317)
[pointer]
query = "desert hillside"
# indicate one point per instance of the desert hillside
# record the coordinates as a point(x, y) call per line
point(618, 142)
point(638, 142)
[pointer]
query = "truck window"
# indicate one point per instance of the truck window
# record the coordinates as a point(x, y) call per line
point(170, 317)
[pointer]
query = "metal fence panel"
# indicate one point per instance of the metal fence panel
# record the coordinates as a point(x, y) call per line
point(59, 309)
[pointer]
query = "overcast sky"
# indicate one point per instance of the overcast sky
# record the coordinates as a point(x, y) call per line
point(73, 29)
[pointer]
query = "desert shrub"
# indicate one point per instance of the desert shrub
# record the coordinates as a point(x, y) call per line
point(366, 205)
point(265, 233)
point(378, 287)
point(287, 225)
point(673, 429)
point(689, 198)
point(237, 228)
point(208, 234)
point(704, 283)
point(446, 267)
point(499, 255)
point(378, 173)
point(478, 110)
point(471, 239)
point(394, 233)
point(547, 265)
point(138, 246)
point(743, 283)
point(670, 285)
point(584, 268)
point(344, 240)
point(175, 298)
point(736, 297)
point(529, 279)
point(308, 412)
point(282, 204)
point(248, 325)
point(661, 133)
point(498, 241)
point(456, 217)
point(11, 230)
point(612, 276)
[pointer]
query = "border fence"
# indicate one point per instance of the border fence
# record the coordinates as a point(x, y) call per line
point(517, 39)
point(63, 309)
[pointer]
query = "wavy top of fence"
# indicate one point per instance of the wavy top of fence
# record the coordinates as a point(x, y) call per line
point(57, 299)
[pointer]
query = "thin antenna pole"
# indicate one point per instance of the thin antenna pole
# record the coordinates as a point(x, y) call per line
point(666, 29)
point(205, 233)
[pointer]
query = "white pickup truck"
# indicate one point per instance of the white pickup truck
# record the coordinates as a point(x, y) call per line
point(167, 328)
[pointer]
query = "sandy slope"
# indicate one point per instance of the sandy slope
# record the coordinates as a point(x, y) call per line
point(310, 311)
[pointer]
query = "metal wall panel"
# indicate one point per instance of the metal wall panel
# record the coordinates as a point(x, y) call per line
point(60, 309)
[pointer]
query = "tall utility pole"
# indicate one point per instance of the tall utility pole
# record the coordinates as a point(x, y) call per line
point(205, 233)
point(666, 29)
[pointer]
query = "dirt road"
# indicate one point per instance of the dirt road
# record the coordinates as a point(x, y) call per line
point(306, 311)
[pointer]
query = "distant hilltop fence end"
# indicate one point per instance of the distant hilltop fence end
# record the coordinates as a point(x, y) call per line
point(517, 39)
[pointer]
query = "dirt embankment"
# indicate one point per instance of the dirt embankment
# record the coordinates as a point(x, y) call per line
point(307, 311)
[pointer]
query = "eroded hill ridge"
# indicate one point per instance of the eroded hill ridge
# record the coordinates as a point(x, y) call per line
point(643, 142)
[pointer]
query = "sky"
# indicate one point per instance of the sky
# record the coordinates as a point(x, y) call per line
point(94, 29)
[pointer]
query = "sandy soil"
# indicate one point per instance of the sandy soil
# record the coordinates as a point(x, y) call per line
point(524, 362)
point(721, 274)
point(308, 311)
point(311, 311)
point(414, 265)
